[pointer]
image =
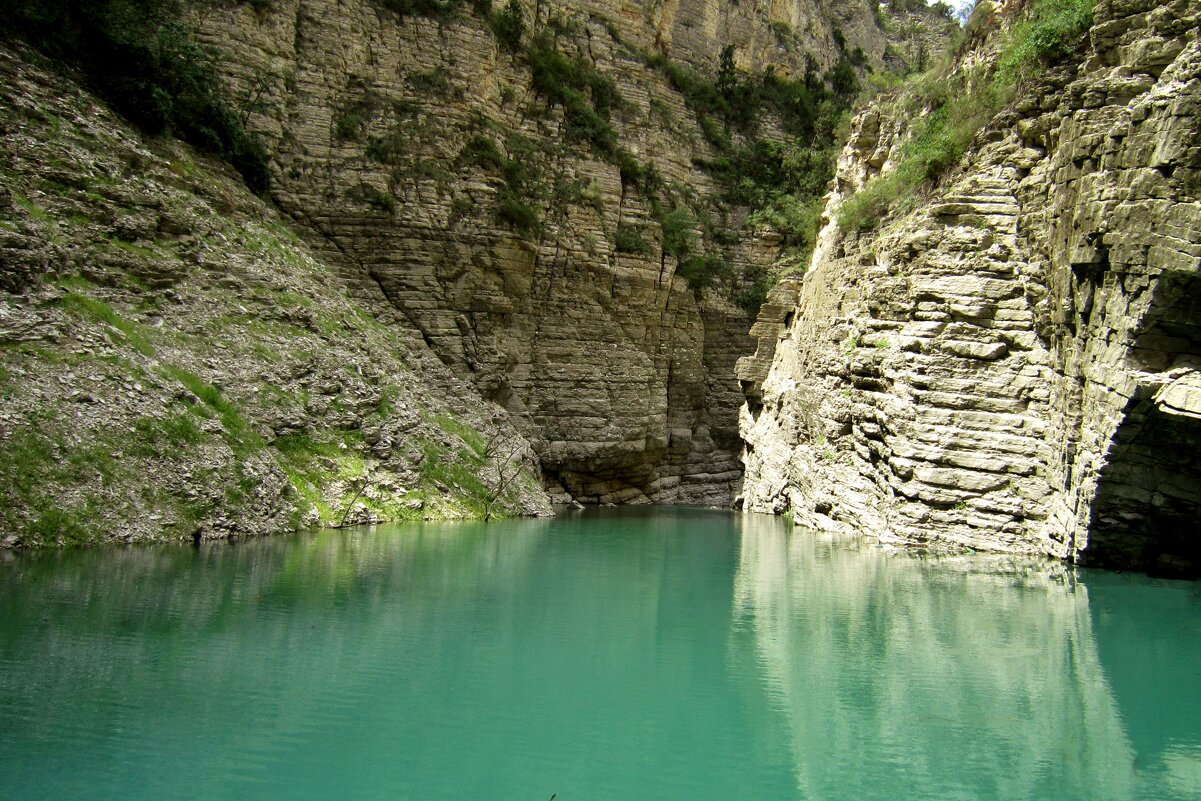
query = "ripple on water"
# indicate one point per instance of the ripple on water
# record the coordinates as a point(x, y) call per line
point(650, 654)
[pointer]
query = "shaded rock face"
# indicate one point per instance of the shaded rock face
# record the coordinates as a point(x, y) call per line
point(175, 363)
point(1014, 366)
point(601, 353)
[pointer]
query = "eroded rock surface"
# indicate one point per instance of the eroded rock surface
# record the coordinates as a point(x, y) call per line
point(620, 375)
point(1013, 365)
point(176, 363)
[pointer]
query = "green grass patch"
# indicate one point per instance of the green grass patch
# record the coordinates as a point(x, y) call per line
point(314, 464)
point(241, 436)
point(455, 470)
point(35, 211)
point(940, 142)
point(161, 436)
point(37, 462)
point(470, 436)
point(1053, 32)
point(65, 526)
point(386, 405)
point(962, 104)
point(89, 307)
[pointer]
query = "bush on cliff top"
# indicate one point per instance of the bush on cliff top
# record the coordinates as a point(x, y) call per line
point(1053, 31)
point(140, 57)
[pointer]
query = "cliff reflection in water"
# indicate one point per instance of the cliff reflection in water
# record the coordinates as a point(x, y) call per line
point(246, 668)
point(626, 654)
point(951, 677)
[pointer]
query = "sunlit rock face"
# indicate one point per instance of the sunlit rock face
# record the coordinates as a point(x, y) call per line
point(617, 372)
point(1012, 366)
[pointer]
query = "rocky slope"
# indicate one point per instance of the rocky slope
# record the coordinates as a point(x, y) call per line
point(471, 181)
point(516, 246)
point(176, 363)
point(1013, 365)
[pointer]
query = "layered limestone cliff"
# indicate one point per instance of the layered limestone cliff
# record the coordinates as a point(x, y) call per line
point(450, 173)
point(176, 363)
point(1013, 365)
point(514, 248)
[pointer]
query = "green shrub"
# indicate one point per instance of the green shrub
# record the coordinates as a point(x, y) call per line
point(586, 97)
point(843, 79)
point(1053, 31)
point(144, 60)
point(864, 210)
point(508, 26)
point(629, 239)
point(751, 297)
point(795, 217)
point(518, 215)
point(713, 132)
point(386, 149)
point(378, 199)
point(436, 9)
point(353, 115)
point(481, 151)
point(939, 143)
point(759, 173)
point(679, 232)
point(431, 82)
point(701, 272)
point(520, 174)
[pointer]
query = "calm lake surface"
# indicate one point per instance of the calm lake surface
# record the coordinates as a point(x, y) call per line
point(609, 655)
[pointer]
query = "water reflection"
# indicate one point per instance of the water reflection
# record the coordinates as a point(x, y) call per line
point(582, 656)
point(590, 656)
point(170, 672)
point(951, 677)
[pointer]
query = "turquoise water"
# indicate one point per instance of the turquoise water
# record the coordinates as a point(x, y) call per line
point(632, 654)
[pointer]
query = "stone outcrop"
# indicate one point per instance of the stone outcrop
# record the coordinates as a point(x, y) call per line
point(176, 363)
point(1013, 364)
point(620, 375)
point(470, 284)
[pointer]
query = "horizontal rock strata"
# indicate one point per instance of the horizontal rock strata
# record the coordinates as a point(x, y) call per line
point(599, 350)
point(1014, 365)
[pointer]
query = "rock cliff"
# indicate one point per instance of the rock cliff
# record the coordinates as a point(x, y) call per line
point(502, 246)
point(1011, 364)
point(465, 175)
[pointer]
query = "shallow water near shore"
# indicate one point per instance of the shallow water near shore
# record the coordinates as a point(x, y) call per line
point(651, 653)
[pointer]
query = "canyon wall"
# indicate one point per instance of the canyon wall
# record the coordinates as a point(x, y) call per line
point(461, 197)
point(502, 246)
point(1013, 363)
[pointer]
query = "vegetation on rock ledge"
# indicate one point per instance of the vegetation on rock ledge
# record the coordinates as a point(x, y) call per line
point(960, 103)
point(140, 57)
